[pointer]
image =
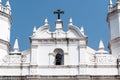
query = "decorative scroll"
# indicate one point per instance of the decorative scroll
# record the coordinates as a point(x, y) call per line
point(14, 59)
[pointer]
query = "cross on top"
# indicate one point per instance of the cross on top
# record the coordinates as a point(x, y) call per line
point(58, 12)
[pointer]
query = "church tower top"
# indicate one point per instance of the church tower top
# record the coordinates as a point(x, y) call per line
point(113, 19)
point(5, 28)
point(8, 5)
point(5, 9)
point(112, 8)
point(110, 5)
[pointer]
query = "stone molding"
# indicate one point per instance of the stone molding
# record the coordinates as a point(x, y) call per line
point(6, 15)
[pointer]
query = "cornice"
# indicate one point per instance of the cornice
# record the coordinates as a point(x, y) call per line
point(6, 15)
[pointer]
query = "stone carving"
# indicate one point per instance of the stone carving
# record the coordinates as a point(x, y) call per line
point(6, 59)
point(23, 59)
point(15, 59)
point(92, 59)
point(105, 59)
point(101, 59)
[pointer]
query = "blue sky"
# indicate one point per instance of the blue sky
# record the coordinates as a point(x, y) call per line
point(89, 13)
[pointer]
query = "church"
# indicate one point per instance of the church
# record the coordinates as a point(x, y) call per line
point(60, 55)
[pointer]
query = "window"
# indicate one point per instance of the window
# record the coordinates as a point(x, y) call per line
point(59, 57)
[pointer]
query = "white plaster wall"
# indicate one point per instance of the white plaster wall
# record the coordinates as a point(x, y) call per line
point(25, 71)
point(4, 35)
point(83, 56)
point(115, 48)
point(102, 71)
point(45, 34)
point(45, 54)
point(3, 51)
point(114, 26)
point(57, 71)
point(10, 72)
point(73, 55)
point(33, 57)
point(4, 28)
point(72, 34)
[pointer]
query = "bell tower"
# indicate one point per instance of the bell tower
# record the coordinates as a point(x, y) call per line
point(5, 26)
point(113, 19)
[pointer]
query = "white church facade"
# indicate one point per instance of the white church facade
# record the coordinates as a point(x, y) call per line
point(60, 55)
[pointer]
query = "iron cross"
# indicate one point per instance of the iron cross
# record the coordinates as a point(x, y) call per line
point(58, 12)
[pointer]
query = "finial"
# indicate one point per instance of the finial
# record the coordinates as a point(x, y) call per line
point(82, 30)
point(70, 22)
point(101, 48)
point(46, 21)
point(16, 46)
point(110, 2)
point(110, 5)
point(101, 45)
point(117, 1)
point(8, 5)
point(34, 29)
point(0, 1)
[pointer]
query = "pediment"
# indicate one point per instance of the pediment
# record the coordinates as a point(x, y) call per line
point(74, 32)
point(44, 33)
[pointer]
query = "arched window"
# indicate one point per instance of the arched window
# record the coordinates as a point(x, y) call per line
point(59, 57)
